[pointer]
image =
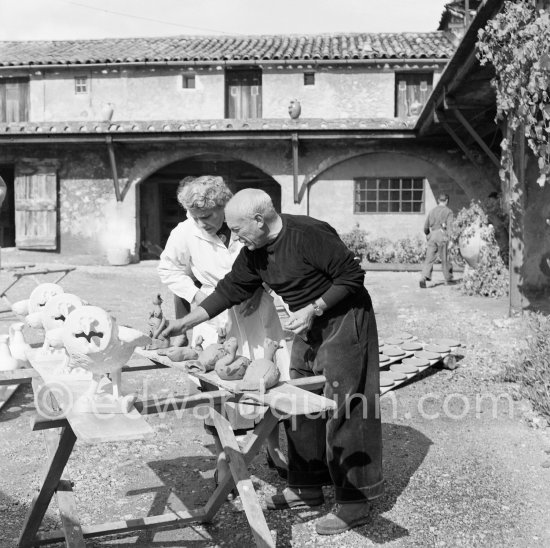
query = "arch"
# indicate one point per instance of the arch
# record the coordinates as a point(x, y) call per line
point(331, 188)
point(158, 211)
point(460, 172)
point(148, 164)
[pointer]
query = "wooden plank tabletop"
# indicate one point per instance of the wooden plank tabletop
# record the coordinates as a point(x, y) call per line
point(284, 399)
point(89, 427)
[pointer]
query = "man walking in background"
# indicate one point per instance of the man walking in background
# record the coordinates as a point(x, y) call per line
point(437, 229)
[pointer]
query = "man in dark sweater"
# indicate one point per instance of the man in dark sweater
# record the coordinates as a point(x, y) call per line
point(307, 264)
point(437, 228)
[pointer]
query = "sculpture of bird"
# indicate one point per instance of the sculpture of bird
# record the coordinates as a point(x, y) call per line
point(95, 342)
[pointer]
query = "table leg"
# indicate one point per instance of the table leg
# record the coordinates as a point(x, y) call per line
point(238, 461)
point(41, 501)
point(65, 499)
point(241, 476)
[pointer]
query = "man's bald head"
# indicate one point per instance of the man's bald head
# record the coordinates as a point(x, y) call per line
point(246, 203)
point(252, 218)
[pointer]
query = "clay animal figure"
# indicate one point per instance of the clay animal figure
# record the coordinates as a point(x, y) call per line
point(95, 342)
point(210, 355)
point(7, 361)
point(231, 367)
point(157, 322)
point(38, 298)
point(262, 373)
point(179, 353)
point(17, 344)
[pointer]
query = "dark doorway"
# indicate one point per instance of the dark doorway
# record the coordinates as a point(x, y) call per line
point(7, 211)
point(160, 211)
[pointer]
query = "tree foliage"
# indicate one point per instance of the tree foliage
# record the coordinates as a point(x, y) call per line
point(517, 43)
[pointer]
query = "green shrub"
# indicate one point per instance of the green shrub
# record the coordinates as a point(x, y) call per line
point(532, 371)
point(490, 278)
point(356, 240)
point(384, 250)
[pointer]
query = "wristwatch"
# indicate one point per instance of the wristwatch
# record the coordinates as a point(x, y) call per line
point(317, 310)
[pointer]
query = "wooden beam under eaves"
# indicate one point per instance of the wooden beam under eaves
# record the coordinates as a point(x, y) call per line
point(112, 161)
point(295, 167)
point(460, 117)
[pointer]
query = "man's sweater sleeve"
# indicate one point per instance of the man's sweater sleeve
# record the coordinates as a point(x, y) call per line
point(326, 251)
point(238, 285)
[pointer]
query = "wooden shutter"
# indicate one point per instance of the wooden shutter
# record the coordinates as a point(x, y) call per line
point(244, 94)
point(35, 207)
point(14, 100)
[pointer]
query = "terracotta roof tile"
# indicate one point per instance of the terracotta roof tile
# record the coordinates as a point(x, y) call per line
point(218, 125)
point(407, 45)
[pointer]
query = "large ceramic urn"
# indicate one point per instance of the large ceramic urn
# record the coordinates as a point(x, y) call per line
point(470, 246)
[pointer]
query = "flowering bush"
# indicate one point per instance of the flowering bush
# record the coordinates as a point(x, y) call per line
point(532, 368)
point(384, 250)
point(490, 278)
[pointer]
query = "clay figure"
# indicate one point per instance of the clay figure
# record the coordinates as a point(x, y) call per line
point(7, 361)
point(179, 353)
point(231, 367)
point(262, 373)
point(95, 342)
point(18, 346)
point(38, 299)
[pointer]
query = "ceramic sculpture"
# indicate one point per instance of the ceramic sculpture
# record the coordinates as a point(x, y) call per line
point(231, 367)
point(7, 361)
point(17, 345)
point(38, 299)
point(157, 322)
point(95, 342)
point(262, 373)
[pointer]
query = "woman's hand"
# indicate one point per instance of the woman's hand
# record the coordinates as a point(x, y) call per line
point(199, 297)
point(251, 305)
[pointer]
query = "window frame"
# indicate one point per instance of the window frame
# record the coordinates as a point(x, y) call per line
point(364, 180)
point(309, 75)
point(77, 84)
point(400, 74)
point(185, 79)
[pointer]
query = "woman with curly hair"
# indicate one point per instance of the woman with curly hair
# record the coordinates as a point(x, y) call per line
point(201, 249)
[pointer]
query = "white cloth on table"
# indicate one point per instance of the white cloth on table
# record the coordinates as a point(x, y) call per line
point(193, 254)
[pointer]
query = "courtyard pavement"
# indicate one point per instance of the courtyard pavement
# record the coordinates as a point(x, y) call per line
point(463, 463)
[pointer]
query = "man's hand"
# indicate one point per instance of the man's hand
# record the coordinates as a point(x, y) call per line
point(301, 320)
point(173, 328)
point(178, 327)
point(251, 305)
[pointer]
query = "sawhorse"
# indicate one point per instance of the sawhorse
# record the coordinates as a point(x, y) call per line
point(19, 272)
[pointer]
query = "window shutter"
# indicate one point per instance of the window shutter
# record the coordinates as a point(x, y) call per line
point(35, 206)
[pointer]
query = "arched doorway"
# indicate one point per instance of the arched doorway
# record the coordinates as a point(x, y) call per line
point(159, 209)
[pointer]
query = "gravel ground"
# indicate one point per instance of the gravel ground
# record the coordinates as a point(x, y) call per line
point(466, 461)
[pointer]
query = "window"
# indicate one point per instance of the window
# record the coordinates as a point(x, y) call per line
point(188, 81)
point(14, 100)
point(243, 94)
point(81, 84)
point(411, 93)
point(389, 195)
point(309, 78)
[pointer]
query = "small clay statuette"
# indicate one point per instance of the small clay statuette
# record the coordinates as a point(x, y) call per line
point(231, 367)
point(263, 373)
point(157, 323)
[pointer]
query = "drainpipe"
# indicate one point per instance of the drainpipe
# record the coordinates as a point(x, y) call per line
point(295, 166)
point(112, 160)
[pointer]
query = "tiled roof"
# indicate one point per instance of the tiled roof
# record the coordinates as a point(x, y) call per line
point(198, 126)
point(185, 49)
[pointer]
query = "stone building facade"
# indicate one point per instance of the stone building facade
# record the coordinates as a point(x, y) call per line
point(95, 135)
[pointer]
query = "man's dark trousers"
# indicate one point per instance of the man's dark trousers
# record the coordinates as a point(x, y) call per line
point(342, 345)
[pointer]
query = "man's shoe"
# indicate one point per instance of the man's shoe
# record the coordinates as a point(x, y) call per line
point(422, 283)
point(347, 517)
point(296, 498)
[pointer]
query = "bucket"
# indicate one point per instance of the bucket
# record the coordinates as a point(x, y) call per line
point(118, 256)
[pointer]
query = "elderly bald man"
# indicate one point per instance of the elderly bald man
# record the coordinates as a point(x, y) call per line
point(305, 262)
